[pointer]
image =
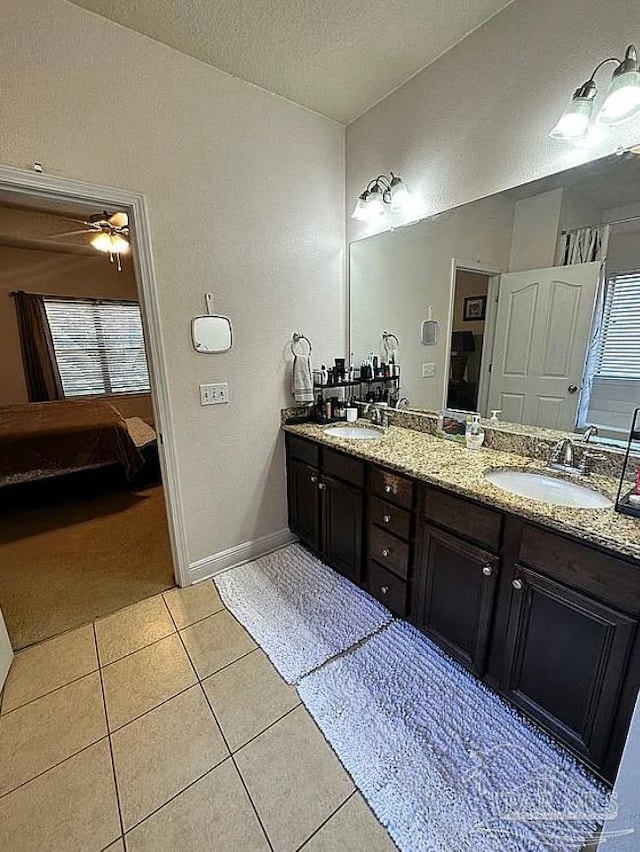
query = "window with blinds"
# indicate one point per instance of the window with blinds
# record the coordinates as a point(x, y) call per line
point(619, 349)
point(99, 346)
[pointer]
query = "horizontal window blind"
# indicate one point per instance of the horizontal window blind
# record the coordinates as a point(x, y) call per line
point(619, 350)
point(99, 346)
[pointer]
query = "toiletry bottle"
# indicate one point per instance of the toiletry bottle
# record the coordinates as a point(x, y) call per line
point(320, 412)
point(494, 417)
point(474, 433)
point(324, 374)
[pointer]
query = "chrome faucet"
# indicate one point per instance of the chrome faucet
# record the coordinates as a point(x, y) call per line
point(589, 433)
point(378, 414)
point(562, 458)
point(402, 400)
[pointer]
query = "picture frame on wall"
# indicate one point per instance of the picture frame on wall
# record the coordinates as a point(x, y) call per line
point(474, 309)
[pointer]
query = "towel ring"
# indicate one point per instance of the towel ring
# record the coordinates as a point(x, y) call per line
point(387, 342)
point(296, 339)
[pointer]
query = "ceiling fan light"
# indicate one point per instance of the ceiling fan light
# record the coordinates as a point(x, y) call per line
point(119, 245)
point(102, 242)
point(622, 100)
point(574, 121)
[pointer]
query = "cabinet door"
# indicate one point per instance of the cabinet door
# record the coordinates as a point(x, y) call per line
point(458, 582)
point(304, 502)
point(342, 513)
point(566, 657)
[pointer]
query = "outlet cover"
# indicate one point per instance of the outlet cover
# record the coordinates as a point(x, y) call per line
point(428, 371)
point(214, 394)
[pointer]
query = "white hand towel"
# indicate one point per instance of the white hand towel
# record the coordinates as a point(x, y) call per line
point(302, 384)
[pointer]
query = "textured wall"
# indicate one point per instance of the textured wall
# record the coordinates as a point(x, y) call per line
point(227, 170)
point(476, 121)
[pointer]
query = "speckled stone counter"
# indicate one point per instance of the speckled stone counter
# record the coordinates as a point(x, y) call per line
point(452, 466)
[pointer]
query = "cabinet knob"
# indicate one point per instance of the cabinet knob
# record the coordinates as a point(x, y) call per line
point(388, 489)
point(386, 519)
point(487, 570)
point(313, 478)
point(517, 584)
point(384, 589)
point(385, 551)
point(321, 486)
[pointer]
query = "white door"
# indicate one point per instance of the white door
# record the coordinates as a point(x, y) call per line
point(6, 651)
point(542, 334)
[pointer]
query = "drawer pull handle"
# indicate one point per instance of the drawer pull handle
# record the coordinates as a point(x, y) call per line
point(388, 489)
point(487, 570)
point(384, 589)
point(386, 519)
point(313, 478)
point(321, 486)
point(517, 584)
point(386, 551)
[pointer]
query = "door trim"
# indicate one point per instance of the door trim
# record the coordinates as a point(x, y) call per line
point(48, 186)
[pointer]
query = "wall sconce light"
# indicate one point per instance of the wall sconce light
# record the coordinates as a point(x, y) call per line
point(621, 102)
point(382, 193)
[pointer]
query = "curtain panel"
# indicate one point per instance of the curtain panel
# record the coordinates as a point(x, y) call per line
point(36, 343)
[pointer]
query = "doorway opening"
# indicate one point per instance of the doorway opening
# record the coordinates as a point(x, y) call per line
point(84, 528)
point(470, 339)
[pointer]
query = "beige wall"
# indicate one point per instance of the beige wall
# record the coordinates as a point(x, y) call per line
point(245, 194)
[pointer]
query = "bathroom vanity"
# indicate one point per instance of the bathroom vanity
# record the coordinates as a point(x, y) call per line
point(540, 602)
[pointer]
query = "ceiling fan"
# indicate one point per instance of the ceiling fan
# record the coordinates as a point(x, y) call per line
point(110, 234)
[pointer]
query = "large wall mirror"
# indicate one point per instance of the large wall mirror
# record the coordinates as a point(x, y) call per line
point(537, 292)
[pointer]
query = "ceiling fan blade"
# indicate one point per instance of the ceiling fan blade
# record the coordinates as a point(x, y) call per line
point(119, 220)
point(68, 234)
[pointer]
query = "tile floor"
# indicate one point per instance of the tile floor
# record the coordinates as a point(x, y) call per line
point(165, 727)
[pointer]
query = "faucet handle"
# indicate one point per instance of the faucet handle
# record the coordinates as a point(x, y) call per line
point(587, 458)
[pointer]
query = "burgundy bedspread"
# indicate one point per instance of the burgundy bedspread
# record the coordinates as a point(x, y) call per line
point(66, 435)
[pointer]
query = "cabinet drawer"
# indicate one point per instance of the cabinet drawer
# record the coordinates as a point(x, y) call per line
point(388, 589)
point(390, 517)
point(305, 451)
point(344, 467)
point(469, 519)
point(396, 489)
point(389, 551)
point(607, 578)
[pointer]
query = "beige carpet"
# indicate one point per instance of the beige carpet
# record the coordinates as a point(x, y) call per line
point(64, 565)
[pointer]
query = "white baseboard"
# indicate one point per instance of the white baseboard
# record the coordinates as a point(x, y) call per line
point(202, 569)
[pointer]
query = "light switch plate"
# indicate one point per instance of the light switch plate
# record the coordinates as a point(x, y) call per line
point(428, 371)
point(214, 394)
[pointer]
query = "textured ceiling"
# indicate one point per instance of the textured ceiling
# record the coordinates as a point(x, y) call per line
point(337, 57)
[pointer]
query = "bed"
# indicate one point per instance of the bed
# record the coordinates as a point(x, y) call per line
point(43, 439)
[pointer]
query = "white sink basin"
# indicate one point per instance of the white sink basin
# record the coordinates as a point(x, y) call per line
point(548, 489)
point(360, 433)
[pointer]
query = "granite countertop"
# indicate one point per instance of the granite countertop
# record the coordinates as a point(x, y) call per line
point(452, 466)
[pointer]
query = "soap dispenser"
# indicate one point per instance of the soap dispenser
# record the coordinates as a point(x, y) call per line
point(474, 433)
point(493, 421)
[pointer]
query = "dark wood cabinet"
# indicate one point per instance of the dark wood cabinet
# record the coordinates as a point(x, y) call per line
point(326, 513)
point(342, 516)
point(304, 502)
point(456, 595)
point(548, 621)
point(565, 661)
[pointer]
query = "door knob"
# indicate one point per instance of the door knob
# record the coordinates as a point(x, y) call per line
point(314, 478)
point(321, 486)
point(487, 570)
point(388, 489)
point(384, 589)
point(385, 552)
point(517, 584)
point(386, 519)
point(573, 388)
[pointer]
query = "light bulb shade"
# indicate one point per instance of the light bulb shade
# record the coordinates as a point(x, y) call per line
point(110, 243)
point(375, 203)
point(622, 100)
point(574, 121)
point(360, 210)
point(399, 195)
